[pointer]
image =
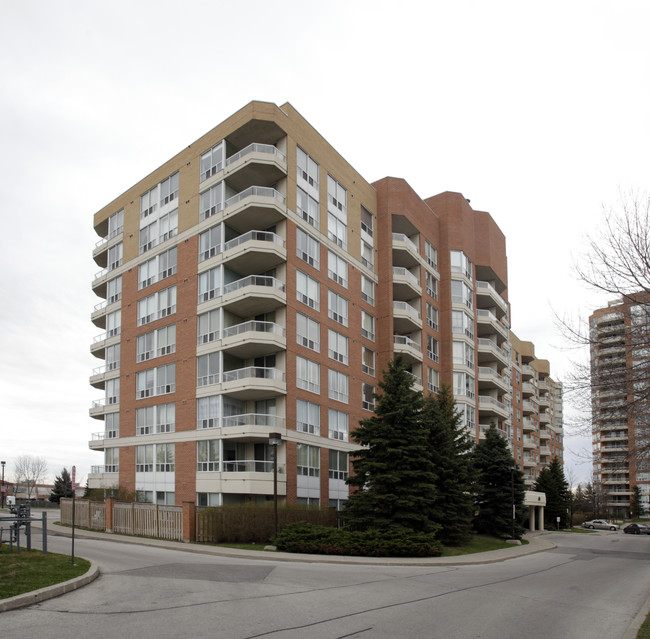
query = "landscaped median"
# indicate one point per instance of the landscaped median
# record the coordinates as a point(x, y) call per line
point(30, 576)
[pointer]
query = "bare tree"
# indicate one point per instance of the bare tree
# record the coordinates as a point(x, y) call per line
point(29, 471)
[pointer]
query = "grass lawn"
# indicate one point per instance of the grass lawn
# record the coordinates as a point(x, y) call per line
point(478, 543)
point(31, 570)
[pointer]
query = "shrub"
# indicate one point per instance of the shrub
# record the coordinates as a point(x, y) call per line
point(303, 537)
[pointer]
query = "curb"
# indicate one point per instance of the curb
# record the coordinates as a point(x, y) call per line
point(49, 592)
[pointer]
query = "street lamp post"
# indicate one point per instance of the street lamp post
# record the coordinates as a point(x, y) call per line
point(512, 489)
point(3, 483)
point(274, 442)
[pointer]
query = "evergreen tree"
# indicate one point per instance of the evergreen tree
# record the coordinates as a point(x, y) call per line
point(497, 482)
point(62, 487)
point(393, 473)
point(449, 447)
point(581, 501)
point(552, 482)
point(636, 505)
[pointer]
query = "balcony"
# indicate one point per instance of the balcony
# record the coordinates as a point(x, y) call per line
point(530, 442)
point(529, 425)
point(406, 286)
point(527, 372)
point(99, 440)
point(530, 462)
point(544, 417)
point(253, 339)
point(257, 163)
point(544, 433)
point(101, 341)
point(487, 297)
point(406, 319)
point(103, 373)
point(483, 428)
point(487, 322)
point(544, 400)
point(254, 382)
point(408, 348)
point(255, 207)
point(492, 406)
point(405, 252)
point(489, 351)
point(490, 378)
point(102, 406)
point(254, 252)
point(545, 450)
point(527, 389)
point(529, 407)
point(253, 295)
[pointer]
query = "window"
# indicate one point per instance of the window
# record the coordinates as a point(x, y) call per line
point(210, 243)
point(209, 284)
point(112, 460)
point(366, 221)
point(114, 290)
point(431, 254)
point(432, 316)
point(115, 224)
point(113, 323)
point(338, 464)
point(208, 325)
point(207, 455)
point(112, 391)
point(337, 308)
point(367, 326)
point(164, 458)
point(337, 231)
point(431, 285)
point(307, 417)
point(433, 379)
point(464, 384)
point(156, 343)
point(307, 248)
point(157, 268)
point(307, 168)
point(156, 306)
point(307, 290)
point(212, 161)
point(367, 255)
point(368, 397)
point(337, 198)
point(337, 346)
point(307, 207)
point(115, 254)
point(467, 414)
point(208, 412)
point(307, 332)
point(337, 386)
point(208, 369)
point(211, 202)
point(337, 269)
point(158, 231)
point(432, 348)
point(338, 425)
point(169, 189)
point(367, 290)
point(112, 357)
point(460, 263)
point(367, 361)
point(307, 375)
point(156, 381)
point(144, 459)
point(462, 323)
point(308, 460)
point(463, 354)
point(461, 293)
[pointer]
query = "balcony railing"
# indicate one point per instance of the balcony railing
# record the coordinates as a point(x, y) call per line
point(256, 148)
point(259, 372)
point(253, 327)
point(257, 191)
point(400, 237)
point(106, 434)
point(407, 308)
point(253, 280)
point(400, 271)
point(254, 236)
point(253, 419)
point(407, 341)
point(100, 470)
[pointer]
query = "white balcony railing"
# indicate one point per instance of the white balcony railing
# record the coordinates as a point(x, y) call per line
point(256, 148)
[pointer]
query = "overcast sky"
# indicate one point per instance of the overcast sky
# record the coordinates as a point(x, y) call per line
point(539, 113)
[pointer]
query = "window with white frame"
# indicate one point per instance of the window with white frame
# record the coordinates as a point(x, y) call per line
point(208, 412)
point(308, 460)
point(307, 290)
point(115, 255)
point(207, 456)
point(307, 417)
point(339, 464)
point(307, 248)
point(157, 306)
point(169, 189)
point(114, 290)
point(464, 385)
point(307, 375)
point(307, 332)
point(431, 285)
point(367, 361)
point(337, 346)
point(155, 419)
point(432, 316)
point(113, 323)
point(461, 293)
point(462, 323)
point(307, 207)
point(156, 381)
point(112, 391)
point(367, 225)
point(433, 379)
point(337, 198)
point(368, 396)
point(337, 269)
point(338, 425)
point(208, 326)
point(463, 354)
point(210, 243)
point(208, 368)
point(368, 326)
point(307, 168)
point(211, 201)
point(156, 343)
point(157, 268)
point(158, 231)
point(337, 386)
point(337, 308)
point(367, 255)
point(431, 254)
point(112, 357)
point(144, 458)
point(337, 230)
point(111, 425)
point(460, 263)
point(115, 224)
point(165, 454)
point(212, 160)
point(112, 460)
point(209, 284)
point(367, 290)
point(467, 414)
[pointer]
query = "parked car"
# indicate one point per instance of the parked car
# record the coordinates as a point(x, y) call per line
point(637, 529)
point(601, 524)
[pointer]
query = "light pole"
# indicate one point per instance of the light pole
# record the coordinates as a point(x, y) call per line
point(3, 483)
point(512, 488)
point(274, 442)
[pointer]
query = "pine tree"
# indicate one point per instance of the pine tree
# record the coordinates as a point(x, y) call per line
point(497, 482)
point(393, 473)
point(449, 447)
point(636, 505)
point(552, 482)
point(62, 487)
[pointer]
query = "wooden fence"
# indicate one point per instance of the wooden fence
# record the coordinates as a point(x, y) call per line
point(88, 514)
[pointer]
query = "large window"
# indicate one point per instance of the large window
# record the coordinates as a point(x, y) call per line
point(115, 224)
point(432, 348)
point(339, 466)
point(367, 255)
point(338, 425)
point(115, 254)
point(433, 379)
point(337, 386)
point(112, 391)
point(307, 417)
point(368, 396)
point(155, 419)
point(157, 268)
point(112, 460)
point(367, 290)
point(156, 343)
point(159, 213)
point(432, 316)
point(209, 284)
point(307, 207)
point(463, 354)
point(366, 221)
point(113, 323)
point(210, 243)
point(144, 459)
point(367, 361)
point(156, 306)
point(308, 460)
point(337, 308)
point(367, 326)
point(207, 456)
point(307, 290)
point(165, 458)
point(208, 325)
point(337, 269)
point(464, 385)
point(337, 346)
point(307, 332)
point(212, 161)
point(431, 254)
point(460, 263)
point(156, 381)
point(307, 248)
point(307, 375)
point(114, 290)
point(462, 323)
point(431, 285)
point(208, 411)
point(112, 357)
point(307, 168)
point(211, 202)
point(337, 230)
point(461, 293)
point(208, 368)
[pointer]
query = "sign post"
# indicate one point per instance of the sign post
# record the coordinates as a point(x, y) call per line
point(74, 493)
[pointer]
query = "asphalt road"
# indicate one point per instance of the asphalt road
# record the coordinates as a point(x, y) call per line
point(590, 586)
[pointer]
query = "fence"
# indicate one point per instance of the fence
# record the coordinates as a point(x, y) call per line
point(88, 514)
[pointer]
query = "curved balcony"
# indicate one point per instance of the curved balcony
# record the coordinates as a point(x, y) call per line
point(406, 286)
point(254, 252)
point(103, 373)
point(492, 407)
point(102, 406)
point(529, 407)
point(544, 417)
point(410, 350)
point(487, 323)
point(101, 341)
point(487, 297)
point(253, 339)
point(527, 372)
point(253, 295)
point(255, 207)
point(405, 252)
point(406, 318)
point(262, 164)
point(489, 351)
point(544, 433)
point(254, 382)
point(490, 378)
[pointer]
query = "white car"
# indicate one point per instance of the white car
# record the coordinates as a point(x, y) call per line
point(601, 524)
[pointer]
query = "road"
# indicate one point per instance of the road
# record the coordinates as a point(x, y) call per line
point(591, 585)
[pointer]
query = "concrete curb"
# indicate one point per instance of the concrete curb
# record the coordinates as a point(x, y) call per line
point(49, 592)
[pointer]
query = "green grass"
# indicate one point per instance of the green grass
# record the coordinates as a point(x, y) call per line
point(31, 569)
point(644, 630)
point(246, 546)
point(478, 543)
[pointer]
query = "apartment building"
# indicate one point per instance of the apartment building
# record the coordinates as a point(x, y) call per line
point(619, 396)
point(256, 284)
